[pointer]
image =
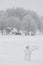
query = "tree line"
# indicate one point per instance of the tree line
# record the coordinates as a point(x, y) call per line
point(20, 19)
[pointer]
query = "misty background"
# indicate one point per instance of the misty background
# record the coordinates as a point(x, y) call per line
point(24, 15)
point(35, 5)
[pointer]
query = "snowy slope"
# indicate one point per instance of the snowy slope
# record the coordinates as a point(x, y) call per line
point(12, 50)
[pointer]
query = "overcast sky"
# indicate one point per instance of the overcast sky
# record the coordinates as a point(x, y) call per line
point(35, 5)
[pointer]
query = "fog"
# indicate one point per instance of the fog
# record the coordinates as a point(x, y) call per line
point(35, 5)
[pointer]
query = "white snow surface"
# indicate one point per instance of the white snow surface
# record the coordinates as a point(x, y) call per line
point(12, 50)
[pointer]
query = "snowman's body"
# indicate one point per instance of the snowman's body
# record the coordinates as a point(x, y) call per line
point(28, 52)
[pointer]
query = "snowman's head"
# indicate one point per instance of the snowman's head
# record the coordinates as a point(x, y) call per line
point(27, 47)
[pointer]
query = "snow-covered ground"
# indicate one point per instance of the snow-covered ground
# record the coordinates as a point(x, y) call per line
point(12, 50)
